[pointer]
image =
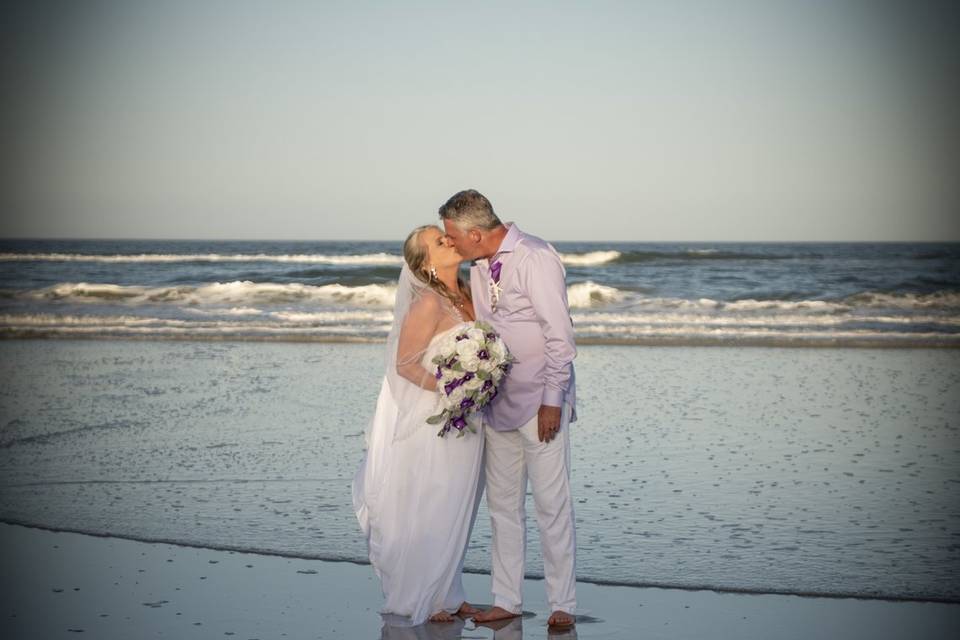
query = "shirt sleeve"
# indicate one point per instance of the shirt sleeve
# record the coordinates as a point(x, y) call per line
point(544, 280)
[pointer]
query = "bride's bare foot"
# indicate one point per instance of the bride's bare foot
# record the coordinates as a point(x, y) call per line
point(560, 619)
point(466, 610)
point(441, 616)
point(496, 613)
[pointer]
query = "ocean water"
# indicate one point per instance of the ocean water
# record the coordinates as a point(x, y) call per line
point(639, 293)
point(808, 471)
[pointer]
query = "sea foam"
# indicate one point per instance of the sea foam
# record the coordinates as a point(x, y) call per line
point(578, 259)
point(360, 259)
point(589, 259)
point(589, 294)
point(237, 292)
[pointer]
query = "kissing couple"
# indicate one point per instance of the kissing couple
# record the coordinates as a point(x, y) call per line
point(416, 494)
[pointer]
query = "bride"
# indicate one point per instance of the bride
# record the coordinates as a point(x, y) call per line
point(416, 494)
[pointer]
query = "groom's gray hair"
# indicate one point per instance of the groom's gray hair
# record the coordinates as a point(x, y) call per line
point(470, 209)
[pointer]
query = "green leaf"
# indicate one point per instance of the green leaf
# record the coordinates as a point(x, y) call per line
point(437, 419)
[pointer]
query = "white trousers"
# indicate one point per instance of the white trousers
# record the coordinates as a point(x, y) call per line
point(511, 458)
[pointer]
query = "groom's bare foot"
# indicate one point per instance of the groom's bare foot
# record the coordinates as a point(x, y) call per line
point(496, 613)
point(467, 610)
point(559, 619)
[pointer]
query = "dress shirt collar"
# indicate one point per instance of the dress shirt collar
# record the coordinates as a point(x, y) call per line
point(507, 245)
point(510, 240)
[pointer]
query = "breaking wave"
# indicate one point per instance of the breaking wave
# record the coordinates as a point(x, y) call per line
point(589, 259)
point(361, 259)
point(237, 292)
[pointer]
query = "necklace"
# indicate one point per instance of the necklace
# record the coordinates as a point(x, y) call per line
point(460, 304)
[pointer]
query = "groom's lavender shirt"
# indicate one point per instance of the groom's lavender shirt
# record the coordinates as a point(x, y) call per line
point(533, 318)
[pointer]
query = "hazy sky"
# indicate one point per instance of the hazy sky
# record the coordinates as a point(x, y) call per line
point(722, 120)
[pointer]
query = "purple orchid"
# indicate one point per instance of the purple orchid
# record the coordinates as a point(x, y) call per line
point(450, 386)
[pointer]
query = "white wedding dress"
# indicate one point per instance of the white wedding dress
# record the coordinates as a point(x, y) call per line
point(415, 496)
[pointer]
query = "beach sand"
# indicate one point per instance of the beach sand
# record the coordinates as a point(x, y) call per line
point(61, 584)
point(771, 470)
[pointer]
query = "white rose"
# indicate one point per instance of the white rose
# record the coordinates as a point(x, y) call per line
point(456, 396)
point(487, 365)
point(473, 385)
point(477, 335)
point(497, 350)
point(449, 345)
point(467, 349)
point(470, 362)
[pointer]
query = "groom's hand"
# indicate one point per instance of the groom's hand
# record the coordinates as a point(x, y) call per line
point(548, 422)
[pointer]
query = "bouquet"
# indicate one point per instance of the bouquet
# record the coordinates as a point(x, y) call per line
point(470, 366)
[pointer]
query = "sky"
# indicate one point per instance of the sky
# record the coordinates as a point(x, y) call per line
point(742, 120)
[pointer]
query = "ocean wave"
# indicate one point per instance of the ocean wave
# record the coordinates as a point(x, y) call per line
point(303, 317)
point(245, 298)
point(237, 292)
point(326, 317)
point(696, 318)
point(589, 259)
point(54, 320)
point(30, 325)
point(232, 311)
point(946, 300)
point(590, 294)
point(264, 321)
point(361, 259)
point(309, 327)
point(247, 294)
point(694, 254)
point(640, 302)
point(373, 259)
point(772, 336)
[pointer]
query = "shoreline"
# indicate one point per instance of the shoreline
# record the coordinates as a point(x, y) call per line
point(527, 577)
point(826, 473)
point(57, 584)
point(893, 343)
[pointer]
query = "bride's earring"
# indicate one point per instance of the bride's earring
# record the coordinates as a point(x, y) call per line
point(433, 272)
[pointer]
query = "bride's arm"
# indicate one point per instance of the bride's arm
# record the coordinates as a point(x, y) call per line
point(418, 328)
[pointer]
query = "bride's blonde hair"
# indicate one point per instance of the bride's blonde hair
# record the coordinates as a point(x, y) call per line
point(415, 254)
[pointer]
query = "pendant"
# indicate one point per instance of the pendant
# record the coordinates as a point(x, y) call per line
point(495, 292)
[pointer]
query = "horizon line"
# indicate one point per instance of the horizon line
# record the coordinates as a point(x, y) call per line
point(400, 240)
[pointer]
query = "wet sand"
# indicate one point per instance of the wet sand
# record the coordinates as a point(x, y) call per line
point(61, 584)
point(796, 471)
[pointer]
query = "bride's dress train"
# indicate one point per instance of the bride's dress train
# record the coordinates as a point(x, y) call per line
point(416, 496)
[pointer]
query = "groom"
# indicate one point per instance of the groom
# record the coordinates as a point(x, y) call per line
point(518, 286)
